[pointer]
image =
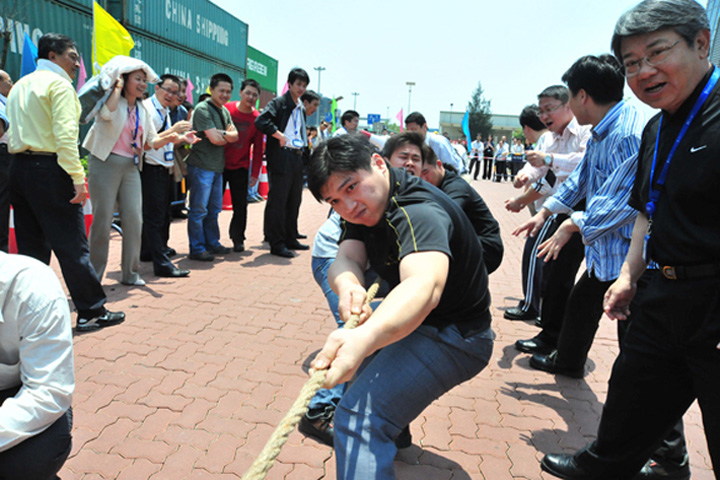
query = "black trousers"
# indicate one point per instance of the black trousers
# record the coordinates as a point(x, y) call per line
point(285, 179)
point(237, 180)
point(533, 269)
point(487, 168)
point(157, 185)
point(500, 170)
point(45, 220)
point(669, 358)
point(474, 164)
point(580, 323)
point(560, 281)
point(40, 457)
point(515, 166)
point(5, 159)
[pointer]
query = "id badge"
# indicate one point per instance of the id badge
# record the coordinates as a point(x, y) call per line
point(297, 143)
point(136, 159)
point(645, 255)
point(169, 156)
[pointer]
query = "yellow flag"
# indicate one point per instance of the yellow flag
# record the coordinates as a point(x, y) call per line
point(114, 39)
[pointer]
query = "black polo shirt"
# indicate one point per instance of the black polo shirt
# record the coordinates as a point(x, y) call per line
point(686, 224)
point(485, 225)
point(419, 218)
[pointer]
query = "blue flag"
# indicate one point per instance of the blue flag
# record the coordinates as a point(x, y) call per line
point(466, 127)
point(29, 57)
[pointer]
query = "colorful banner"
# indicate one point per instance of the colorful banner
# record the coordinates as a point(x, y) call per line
point(400, 119)
point(29, 57)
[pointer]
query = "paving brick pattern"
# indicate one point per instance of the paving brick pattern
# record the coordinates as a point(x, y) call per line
point(194, 382)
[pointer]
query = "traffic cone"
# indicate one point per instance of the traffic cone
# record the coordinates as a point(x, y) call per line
point(12, 244)
point(227, 200)
point(263, 186)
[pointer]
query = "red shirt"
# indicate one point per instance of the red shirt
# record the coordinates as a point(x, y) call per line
point(237, 154)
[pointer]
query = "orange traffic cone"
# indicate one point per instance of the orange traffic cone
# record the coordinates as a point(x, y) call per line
point(263, 186)
point(227, 200)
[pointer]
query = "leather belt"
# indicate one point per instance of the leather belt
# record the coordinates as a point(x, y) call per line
point(296, 151)
point(31, 153)
point(679, 272)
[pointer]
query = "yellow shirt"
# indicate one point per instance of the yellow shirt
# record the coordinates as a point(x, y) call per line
point(44, 112)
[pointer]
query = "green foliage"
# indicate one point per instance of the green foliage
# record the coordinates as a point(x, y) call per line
point(83, 162)
point(518, 133)
point(479, 114)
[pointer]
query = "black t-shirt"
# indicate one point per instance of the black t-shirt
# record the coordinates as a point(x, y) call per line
point(686, 224)
point(418, 218)
point(486, 227)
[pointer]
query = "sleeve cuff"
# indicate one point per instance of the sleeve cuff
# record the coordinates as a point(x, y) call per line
point(577, 219)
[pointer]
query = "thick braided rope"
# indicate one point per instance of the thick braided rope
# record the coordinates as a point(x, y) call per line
point(262, 464)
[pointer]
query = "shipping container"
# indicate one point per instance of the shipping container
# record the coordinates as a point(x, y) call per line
point(74, 19)
point(262, 68)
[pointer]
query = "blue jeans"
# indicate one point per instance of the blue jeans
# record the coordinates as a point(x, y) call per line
point(205, 205)
point(393, 387)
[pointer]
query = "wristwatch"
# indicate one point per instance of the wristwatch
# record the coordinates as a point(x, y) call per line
point(225, 131)
point(548, 159)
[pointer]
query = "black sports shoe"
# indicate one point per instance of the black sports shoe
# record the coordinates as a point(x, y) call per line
point(108, 319)
point(319, 425)
point(404, 440)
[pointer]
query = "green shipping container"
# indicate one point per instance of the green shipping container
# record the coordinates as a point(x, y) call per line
point(197, 24)
point(263, 69)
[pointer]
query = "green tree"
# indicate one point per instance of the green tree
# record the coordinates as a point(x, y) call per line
point(479, 114)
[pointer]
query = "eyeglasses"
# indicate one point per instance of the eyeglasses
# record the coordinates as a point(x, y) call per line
point(653, 59)
point(170, 92)
point(548, 111)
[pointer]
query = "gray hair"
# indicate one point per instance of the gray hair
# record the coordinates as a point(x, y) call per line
point(686, 17)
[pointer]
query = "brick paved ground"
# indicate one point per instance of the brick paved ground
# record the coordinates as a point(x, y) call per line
point(196, 379)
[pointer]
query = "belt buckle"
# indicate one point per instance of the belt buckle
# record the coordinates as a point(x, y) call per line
point(669, 272)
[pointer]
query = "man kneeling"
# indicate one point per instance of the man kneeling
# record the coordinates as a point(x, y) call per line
point(432, 331)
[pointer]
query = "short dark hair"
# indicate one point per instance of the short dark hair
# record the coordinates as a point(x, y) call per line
point(348, 116)
point(54, 42)
point(686, 17)
point(346, 153)
point(220, 77)
point(309, 96)
point(428, 155)
point(249, 82)
point(203, 96)
point(298, 74)
point(171, 77)
point(602, 77)
point(558, 92)
point(416, 118)
point(530, 117)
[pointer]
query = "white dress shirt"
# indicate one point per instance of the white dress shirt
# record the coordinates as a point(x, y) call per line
point(160, 116)
point(36, 349)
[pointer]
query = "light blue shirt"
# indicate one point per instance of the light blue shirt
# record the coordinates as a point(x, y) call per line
point(444, 150)
point(605, 178)
point(3, 118)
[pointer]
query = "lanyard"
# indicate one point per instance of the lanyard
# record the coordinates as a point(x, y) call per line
point(163, 119)
point(655, 194)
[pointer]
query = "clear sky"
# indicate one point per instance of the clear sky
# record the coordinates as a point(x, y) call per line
point(514, 48)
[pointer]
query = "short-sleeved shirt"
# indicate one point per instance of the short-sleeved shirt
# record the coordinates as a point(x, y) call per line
point(485, 225)
point(420, 218)
point(237, 154)
point(685, 228)
point(205, 154)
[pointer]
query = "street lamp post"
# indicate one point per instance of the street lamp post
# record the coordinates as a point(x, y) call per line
point(355, 94)
point(319, 70)
point(410, 85)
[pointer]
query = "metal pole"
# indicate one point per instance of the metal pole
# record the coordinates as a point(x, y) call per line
point(319, 70)
point(355, 94)
point(410, 85)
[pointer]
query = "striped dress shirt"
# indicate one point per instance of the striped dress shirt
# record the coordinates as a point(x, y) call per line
point(605, 177)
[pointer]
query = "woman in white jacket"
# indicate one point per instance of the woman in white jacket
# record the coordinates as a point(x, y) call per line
point(116, 141)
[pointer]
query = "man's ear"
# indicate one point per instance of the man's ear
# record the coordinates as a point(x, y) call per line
point(379, 162)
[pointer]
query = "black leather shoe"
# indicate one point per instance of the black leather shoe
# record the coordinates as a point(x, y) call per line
point(203, 256)
point(516, 313)
point(172, 273)
point(534, 345)
point(548, 363)
point(298, 246)
point(282, 252)
point(219, 249)
point(564, 466)
point(108, 319)
point(653, 470)
point(404, 440)
point(239, 247)
point(301, 236)
point(319, 427)
point(170, 252)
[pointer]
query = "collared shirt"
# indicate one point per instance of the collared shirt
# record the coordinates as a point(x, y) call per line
point(36, 349)
point(445, 151)
point(339, 131)
point(160, 116)
point(44, 112)
point(605, 178)
point(501, 151)
point(295, 132)
point(476, 148)
point(3, 118)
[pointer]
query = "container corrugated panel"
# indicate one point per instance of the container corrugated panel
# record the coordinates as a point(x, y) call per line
point(166, 59)
point(197, 24)
point(262, 68)
point(38, 17)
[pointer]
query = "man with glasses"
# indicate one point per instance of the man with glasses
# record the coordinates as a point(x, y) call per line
point(551, 167)
point(237, 158)
point(671, 353)
point(157, 181)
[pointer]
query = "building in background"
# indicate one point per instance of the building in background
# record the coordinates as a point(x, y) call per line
point(713, 12)
point(451, 123)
